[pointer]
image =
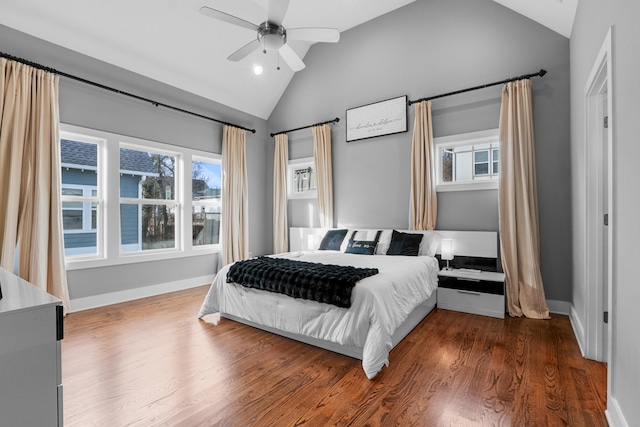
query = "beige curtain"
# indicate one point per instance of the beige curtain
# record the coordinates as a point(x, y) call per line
point(235, 230)
point(518, 204)
point(280, 163)
point(30, 178)
point(424, 205)
point(324, 174)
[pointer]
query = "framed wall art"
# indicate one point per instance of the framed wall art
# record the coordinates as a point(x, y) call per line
point(377, 119)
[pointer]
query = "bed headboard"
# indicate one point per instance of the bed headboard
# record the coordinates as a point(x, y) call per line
point(472, 249)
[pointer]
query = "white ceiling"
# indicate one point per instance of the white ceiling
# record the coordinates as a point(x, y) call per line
point(170, 41)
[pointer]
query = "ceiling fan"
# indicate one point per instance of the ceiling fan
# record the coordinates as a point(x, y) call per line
point(271, 35)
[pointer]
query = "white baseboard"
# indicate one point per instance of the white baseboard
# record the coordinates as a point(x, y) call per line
point(559, 307)
point(566, 308)
point(578, 330)
point(86, 303)
point(614, 415)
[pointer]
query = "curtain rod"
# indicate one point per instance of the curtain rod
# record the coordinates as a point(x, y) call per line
point(140, 98)
point(512, 79)
point(336, 120)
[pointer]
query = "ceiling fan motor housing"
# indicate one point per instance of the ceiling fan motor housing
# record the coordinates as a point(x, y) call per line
point(272, 36)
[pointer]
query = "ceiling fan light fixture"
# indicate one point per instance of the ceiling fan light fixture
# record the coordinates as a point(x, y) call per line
point(271, 36)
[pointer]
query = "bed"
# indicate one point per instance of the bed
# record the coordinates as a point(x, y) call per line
point(384, 308)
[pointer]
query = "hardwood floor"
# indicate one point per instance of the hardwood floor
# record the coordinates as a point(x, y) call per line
point(151, 362)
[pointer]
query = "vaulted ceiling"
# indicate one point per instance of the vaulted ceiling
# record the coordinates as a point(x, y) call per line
point(172, 42)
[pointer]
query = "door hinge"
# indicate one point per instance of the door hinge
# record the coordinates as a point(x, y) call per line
point(606, 122)
point(606, 317)
point(606, 219)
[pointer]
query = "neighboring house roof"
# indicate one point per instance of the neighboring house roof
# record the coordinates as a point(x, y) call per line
point(82, 154)
point(78, 153)
point(132, 160)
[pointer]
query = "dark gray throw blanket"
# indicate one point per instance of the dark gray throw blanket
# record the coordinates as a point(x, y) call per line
point(328, 283)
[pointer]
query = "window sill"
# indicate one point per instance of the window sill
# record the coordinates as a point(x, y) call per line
point(468, 186)
point(313, 194)
point(82, 263)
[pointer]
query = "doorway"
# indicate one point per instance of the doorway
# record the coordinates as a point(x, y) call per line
point(600, 219)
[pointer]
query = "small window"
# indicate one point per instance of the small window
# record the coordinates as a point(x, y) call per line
point(467, 161)
point(301, 179)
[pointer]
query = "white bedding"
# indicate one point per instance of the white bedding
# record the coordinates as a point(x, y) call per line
point(380, 303)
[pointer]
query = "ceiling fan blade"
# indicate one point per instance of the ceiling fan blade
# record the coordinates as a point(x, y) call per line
point(326, 35)
point(291, 58)
point(277, 11)
point(244, 51)
point(225, 17)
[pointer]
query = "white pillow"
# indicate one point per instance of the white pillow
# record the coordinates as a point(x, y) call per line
point(360, 235)
point(430, 242)
point(384, 242)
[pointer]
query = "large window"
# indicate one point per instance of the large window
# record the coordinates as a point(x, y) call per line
point(127, 200)
point(467, 161)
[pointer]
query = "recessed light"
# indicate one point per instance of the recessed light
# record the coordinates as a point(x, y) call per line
point(257, 69)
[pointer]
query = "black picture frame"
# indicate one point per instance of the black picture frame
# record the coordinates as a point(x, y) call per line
point(377, 119)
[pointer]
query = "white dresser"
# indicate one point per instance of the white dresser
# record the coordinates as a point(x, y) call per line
point(30, 355)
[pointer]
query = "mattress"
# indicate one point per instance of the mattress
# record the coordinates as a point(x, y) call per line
point(380, 303)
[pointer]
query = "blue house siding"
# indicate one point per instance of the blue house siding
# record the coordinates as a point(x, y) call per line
point(80, 240)
point(79, 177)
point(129, 214)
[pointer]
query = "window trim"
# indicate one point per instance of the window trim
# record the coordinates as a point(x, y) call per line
point(109, 234)
point(489, 136)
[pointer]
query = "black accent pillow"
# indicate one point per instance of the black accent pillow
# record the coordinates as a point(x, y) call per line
point(407, 244)
point(362, 247)
point(332, 240)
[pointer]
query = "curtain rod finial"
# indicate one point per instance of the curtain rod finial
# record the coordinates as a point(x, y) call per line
point(542, 72)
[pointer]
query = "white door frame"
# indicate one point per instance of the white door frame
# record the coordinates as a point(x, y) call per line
point(599, 84)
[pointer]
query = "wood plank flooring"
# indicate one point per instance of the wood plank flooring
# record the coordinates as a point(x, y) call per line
point(151, 362)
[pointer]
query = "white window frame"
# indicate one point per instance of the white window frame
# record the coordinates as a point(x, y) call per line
point(109, 200)
point(461, 140)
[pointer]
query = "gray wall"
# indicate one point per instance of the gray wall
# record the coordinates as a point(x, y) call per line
point(83, 105)
point(428, 48)
point(593, 20)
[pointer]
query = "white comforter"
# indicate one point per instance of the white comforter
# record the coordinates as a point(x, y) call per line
point(380, 303)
